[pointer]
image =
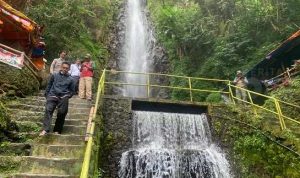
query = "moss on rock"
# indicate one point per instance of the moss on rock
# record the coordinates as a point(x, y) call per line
point(253, 153)
point(14, 149)
point(6, 125)
point(28, 126)
point(9, 165)
point(16, 81)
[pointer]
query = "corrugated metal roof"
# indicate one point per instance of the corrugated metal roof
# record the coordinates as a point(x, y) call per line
point(279, 59)
point(16, 19)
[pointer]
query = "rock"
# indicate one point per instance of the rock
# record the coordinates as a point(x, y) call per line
point(22, 81)
point(11, 93)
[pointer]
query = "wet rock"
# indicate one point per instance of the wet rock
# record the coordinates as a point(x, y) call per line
point(158, 56)
point(116, 134)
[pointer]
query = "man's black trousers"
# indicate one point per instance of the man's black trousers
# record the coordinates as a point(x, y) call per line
point(76, 81)
point(62, 105)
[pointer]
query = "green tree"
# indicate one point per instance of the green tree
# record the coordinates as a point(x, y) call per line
point(75, 25)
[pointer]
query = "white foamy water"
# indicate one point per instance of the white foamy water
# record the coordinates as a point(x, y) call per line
point(170, 145)
point(136, 48)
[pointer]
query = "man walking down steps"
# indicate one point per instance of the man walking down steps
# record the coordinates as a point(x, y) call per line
point(60, 88)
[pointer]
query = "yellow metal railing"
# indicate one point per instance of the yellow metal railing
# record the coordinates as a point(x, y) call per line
point(91, 129)
point(189, 81)
point(282, 118)
point(189, 87)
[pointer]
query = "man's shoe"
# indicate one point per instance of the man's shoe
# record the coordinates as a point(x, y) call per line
point(43, 133)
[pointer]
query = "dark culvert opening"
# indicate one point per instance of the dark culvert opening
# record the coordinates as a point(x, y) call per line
point(168, 107)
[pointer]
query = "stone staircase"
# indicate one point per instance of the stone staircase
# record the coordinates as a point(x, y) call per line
point(53, 155)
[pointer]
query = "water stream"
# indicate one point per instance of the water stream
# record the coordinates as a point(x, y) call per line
point(170, 145)
point(165, 145)
point(136, 48)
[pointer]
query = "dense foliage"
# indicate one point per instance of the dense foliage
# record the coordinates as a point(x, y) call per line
point(263, 158)
point(77, 26)
point(291, 94)
point(215, 38)
point(253, 153)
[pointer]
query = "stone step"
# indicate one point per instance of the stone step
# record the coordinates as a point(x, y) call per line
point(60, 139)
point(42, 165)
point(72, 129)
point(38, 102)
point(10, 165)
point(40, 118)
point(78, 122)
point(52, 155)
point(34, 102)
point(42, 108)
point(15, 149)
point(20, 118)
point(42, 93)
point(22, 112)
point(37, 127)
point(27, 175)
point(24, 120)
point(57, 151)
point(22, 137)
point(28, 126)
point(72, 100)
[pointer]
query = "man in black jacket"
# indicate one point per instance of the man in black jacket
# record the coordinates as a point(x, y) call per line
point(60, 88)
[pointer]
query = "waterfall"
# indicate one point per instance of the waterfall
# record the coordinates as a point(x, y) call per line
point(136, 48)
point(165, 145)
point(171, 145)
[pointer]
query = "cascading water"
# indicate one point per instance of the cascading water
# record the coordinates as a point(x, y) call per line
point(170, 145)
point(165, 145)
point(136, 48)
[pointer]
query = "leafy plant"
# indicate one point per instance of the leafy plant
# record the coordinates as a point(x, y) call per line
point(253, 154)
point(77, 26)
point(214, 39)
point(214, 98)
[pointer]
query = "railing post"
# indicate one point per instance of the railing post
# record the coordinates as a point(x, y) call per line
point(230, 91)
point(87, 155)
point(103, 81)
point(190, 86)
point(279, 113)
point(250, 98)
point(148, 85)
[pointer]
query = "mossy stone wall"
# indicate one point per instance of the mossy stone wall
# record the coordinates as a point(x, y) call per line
point(117, 134)
point(22, 82)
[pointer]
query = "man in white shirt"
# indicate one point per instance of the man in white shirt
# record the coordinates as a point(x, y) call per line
point(56, 64)
point(75, 73)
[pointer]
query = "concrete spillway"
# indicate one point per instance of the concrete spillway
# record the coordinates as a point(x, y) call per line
point(172, 145)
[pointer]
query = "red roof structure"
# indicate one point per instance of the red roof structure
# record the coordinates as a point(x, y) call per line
point(19, 32)
point(15, 25)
